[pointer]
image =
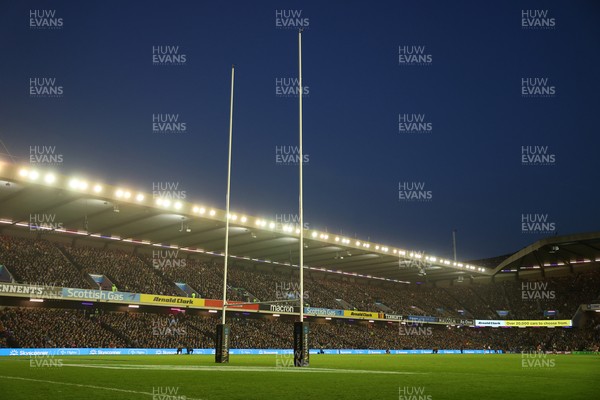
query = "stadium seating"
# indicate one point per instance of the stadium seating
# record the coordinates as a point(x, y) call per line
point(41, 327)
point(127, 271)
point(38, 261)
point(205, 278)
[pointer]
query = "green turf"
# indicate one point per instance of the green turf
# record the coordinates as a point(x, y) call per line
point(433, 377)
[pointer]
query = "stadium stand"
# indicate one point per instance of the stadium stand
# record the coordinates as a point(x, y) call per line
point(41, 327)
point(205, 278)
point(37, 261)
point(127, 271)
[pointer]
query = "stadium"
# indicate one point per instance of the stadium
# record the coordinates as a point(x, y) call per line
point(70, 293)
point(111, 287)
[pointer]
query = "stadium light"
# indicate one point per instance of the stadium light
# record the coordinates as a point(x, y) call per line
point(76, 183)
point(50, 178)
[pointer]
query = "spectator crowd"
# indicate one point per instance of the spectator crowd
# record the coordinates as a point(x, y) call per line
point(60, 328)
point(38, 261)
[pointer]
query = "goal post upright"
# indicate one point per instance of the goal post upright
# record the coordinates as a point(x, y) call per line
point(223, 330)
point(301, 328)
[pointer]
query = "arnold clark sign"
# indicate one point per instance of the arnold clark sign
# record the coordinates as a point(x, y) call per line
point(171, 300)
point(363, 314)
point(489, 322)
point(525, 323)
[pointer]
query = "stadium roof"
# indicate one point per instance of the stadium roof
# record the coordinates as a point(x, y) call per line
point(36, 197)
point(557, 252)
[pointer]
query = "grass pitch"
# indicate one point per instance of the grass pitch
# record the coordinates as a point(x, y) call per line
point(381, 377)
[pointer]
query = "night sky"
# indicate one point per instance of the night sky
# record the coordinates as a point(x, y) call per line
point(467, 87)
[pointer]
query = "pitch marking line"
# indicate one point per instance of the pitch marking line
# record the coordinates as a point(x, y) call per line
point(85, 386)
point(238, 369)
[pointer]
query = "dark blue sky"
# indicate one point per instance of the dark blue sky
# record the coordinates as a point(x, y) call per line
point(470, 93)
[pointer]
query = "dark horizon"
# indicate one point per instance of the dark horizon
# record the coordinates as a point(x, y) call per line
point(501, 103)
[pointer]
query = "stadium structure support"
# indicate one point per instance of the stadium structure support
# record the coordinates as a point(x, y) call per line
point(223, 330)
point(301, 328)
point(454, 244)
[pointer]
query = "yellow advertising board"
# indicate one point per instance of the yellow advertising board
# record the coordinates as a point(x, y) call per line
point(362, 314)
point(544, 322)
point(171, 300)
